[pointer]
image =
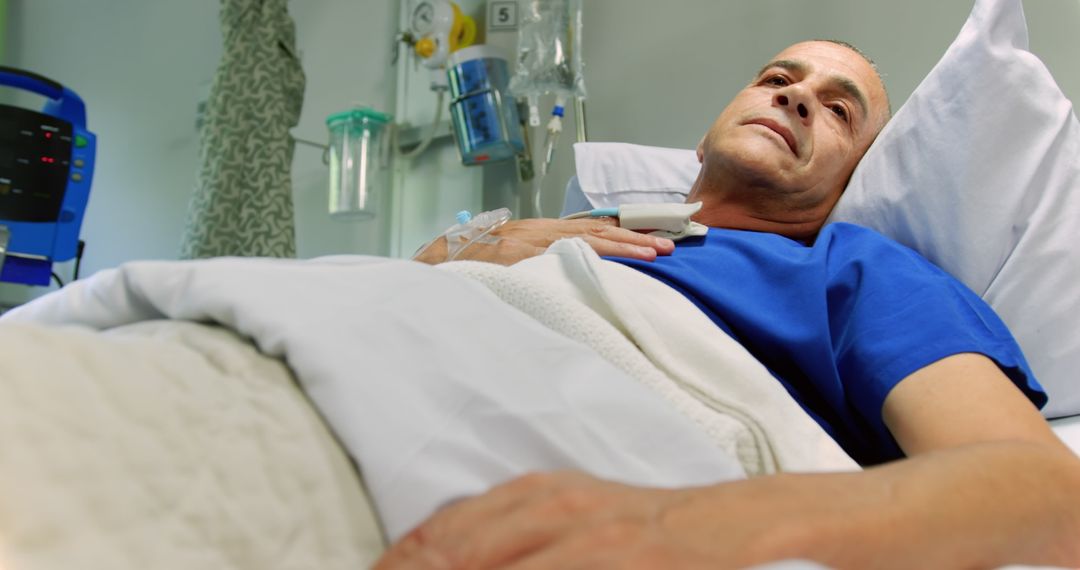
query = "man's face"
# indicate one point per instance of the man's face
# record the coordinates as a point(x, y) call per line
point(793, 136)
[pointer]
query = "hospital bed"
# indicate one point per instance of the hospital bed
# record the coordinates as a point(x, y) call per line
point(1068, 429)
point(181, 443)
point(139, 435)
point(166, 429)
point(260, 413)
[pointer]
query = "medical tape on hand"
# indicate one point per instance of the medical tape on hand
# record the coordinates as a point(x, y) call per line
point(476, 230)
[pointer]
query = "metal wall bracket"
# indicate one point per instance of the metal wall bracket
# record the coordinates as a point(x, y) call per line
point(409, 136)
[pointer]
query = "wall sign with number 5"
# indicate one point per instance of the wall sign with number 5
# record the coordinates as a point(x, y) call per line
point(502, 15)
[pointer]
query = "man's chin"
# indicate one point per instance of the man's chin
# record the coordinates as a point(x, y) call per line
point(759, 144)
point(755, 169)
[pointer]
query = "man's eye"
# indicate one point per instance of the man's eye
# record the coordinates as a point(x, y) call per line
point(777, 80)
point(839, 111)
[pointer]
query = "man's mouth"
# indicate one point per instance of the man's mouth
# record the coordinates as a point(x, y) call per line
point(779, 129)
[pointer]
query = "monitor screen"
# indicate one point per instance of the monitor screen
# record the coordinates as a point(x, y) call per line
point(8, 128)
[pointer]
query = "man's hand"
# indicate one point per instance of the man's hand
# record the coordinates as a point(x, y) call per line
point(569, 519)
point(549, 520)
point(985, 486)
point(979, 506)
point(520, 239)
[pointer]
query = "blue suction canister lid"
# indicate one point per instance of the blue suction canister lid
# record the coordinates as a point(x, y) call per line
point(478, 51)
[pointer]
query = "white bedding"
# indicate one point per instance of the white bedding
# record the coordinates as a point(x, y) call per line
point(385, 349)
point(440, 390)
point(1068, 429)
point(167, 445)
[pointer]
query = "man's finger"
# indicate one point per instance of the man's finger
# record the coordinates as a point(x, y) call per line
point(516, 535)
point(603, 246)
point(663, 246)
point(460, 522)
point(553, 507)
point(608, 220)
point(612, 544)
point(542, 232)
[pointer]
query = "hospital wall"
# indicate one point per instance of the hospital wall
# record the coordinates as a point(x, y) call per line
point(657, 73)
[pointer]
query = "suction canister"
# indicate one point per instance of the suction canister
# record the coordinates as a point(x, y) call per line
point(485, 118)
point(358, 161)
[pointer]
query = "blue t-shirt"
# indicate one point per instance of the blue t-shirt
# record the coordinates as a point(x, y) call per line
point(839, 322)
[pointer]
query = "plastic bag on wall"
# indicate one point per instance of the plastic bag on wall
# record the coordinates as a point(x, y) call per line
point(549, 52)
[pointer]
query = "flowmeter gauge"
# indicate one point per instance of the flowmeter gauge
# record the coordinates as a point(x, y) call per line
point(439, 28)
point(423, 18)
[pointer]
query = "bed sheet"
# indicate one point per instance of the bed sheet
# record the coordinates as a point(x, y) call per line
point(1068, 429)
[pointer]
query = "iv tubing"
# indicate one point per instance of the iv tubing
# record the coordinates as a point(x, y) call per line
point(551, 139)
point(537, 210)
point(430, 136)
point(579, 119)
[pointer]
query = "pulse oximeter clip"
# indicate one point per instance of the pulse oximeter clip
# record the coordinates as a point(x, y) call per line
point(670, 221)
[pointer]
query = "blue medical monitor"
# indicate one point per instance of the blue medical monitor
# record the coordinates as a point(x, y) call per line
point(46, 166)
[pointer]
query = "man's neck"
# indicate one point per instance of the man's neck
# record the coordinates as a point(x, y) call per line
point(732, 210)
point(719, 218)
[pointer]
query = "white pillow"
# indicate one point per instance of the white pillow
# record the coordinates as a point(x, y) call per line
point(978, 171)
point(610, 174)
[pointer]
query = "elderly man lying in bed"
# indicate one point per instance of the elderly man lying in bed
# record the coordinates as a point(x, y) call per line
point(907, 369)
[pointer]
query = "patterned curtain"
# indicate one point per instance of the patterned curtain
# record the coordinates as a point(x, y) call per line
point(242, 204)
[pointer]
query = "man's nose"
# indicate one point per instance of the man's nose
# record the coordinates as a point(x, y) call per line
point(792, 101)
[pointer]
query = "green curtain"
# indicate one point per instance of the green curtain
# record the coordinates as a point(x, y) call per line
point(242, 204)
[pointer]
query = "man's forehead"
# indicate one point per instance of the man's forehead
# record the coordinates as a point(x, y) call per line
point(831, 58)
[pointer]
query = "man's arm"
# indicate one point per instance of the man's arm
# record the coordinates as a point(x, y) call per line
point(987, 484)
point(992, 475)
point(520, 239)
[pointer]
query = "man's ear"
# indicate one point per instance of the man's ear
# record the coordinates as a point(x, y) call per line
point(701, 151)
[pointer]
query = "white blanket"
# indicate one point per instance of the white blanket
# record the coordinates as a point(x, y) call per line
point(655, 335)
point(167, 445)
point(438, 389)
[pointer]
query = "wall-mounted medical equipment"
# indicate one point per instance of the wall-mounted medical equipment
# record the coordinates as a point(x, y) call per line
point(484, 116)
point(549, 62)
point(46, 165)
point(437, 29)
point(359, 160)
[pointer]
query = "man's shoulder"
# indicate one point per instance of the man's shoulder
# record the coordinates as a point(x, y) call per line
point(847, 230)
point(860, 238)
point(847, 244)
